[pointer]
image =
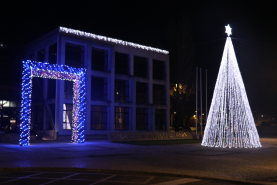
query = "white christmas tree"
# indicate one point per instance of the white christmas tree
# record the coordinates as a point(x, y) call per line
point(230, 122)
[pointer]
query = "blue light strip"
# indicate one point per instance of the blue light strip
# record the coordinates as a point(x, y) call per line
point(53, 71)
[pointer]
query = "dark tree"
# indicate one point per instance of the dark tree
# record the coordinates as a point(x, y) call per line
point(182, 70)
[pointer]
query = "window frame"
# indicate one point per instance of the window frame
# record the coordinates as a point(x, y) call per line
point(106, 59)
point(145, 115)
point(104, 116)
point(126, 116)
point(126, 89)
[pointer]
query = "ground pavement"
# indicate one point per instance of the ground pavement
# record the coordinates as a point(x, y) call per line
point(101, 162)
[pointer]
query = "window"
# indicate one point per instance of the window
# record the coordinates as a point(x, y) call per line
point(142, 119)
point(31, 57)
point(49, 124)
point(98, 120)
point(140, 66)
point(37, 89)
point(67, 116)
point(40, 56)
point(159, 94)
point(99, 59)
point(37, 116)
point(52, 54)
point(99, 88)
point(122, 90)
point(51, 91)
point(5, 103)
point(74, 55)
point(141, 93)
point(121, 118)
point(68, 89)
point(158, 70)
point(160, 119)
point(121, 63)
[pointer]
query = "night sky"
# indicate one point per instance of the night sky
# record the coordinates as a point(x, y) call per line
point(144, 22)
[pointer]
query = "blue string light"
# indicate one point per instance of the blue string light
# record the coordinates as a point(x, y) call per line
point(59, 72)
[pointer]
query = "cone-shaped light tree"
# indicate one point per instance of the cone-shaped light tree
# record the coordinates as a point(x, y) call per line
point(230, 121)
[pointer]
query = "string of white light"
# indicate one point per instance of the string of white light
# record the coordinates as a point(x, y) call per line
point(230, 121)
point(53, 71)
point(108, 39)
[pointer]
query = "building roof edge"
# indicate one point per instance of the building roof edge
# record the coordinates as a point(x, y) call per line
point(108, 39)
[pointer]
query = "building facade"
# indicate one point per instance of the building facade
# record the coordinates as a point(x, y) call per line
point(127, 84)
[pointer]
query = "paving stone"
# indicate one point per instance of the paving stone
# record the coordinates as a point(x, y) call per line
point(18, 174)
point(27, 181)
point(53, 175)
point(160, 179)
point(71, 182)
point(90, 176)
point(129, 178)
point(2, 179)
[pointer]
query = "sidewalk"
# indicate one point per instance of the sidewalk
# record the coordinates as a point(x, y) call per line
point(100, 177)
point(155, 162)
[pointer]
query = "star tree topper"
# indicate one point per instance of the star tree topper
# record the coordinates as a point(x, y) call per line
point(228, 30)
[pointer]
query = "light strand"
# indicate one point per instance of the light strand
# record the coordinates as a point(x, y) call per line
point(108, 39)
point(53, 71)
point(230, 121)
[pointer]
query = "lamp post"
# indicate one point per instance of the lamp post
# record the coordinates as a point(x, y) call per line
point(174, 120)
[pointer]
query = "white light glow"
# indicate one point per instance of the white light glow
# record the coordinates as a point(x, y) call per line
point(108, 39)
point(230, 121)
point(228, 30)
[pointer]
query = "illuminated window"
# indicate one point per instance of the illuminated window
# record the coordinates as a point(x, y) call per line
point(140, 66)
point(99, 59)
point(98, 120)
point(121, 63)
point(121, 118)
point(142, 119)
point(6, 103)
point(67, 116)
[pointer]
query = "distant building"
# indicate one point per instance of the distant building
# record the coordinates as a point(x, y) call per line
point(127, 84)
point(10, 89)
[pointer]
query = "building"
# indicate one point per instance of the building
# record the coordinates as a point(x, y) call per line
point(10, 86)
point(127, 84)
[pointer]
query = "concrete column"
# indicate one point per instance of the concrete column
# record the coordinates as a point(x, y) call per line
point(88, 86)
point(111, 84)
point(150, 93)
point(59, 88)
point(133, 120)
point(131, 63)
point(45, 87)
point(167, 66)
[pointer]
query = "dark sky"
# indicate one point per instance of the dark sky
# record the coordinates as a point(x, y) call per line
point(144, 22)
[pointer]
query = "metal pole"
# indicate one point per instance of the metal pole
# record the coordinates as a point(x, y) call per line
point(201, 99)
point(206, 96)
point(196, 99)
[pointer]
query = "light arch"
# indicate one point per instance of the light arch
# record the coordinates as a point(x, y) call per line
point(59, 72)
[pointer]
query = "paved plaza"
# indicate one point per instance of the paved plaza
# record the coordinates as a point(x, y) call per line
point(181, 162)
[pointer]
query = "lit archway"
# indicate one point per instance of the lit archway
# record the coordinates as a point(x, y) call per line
point(59, 72)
